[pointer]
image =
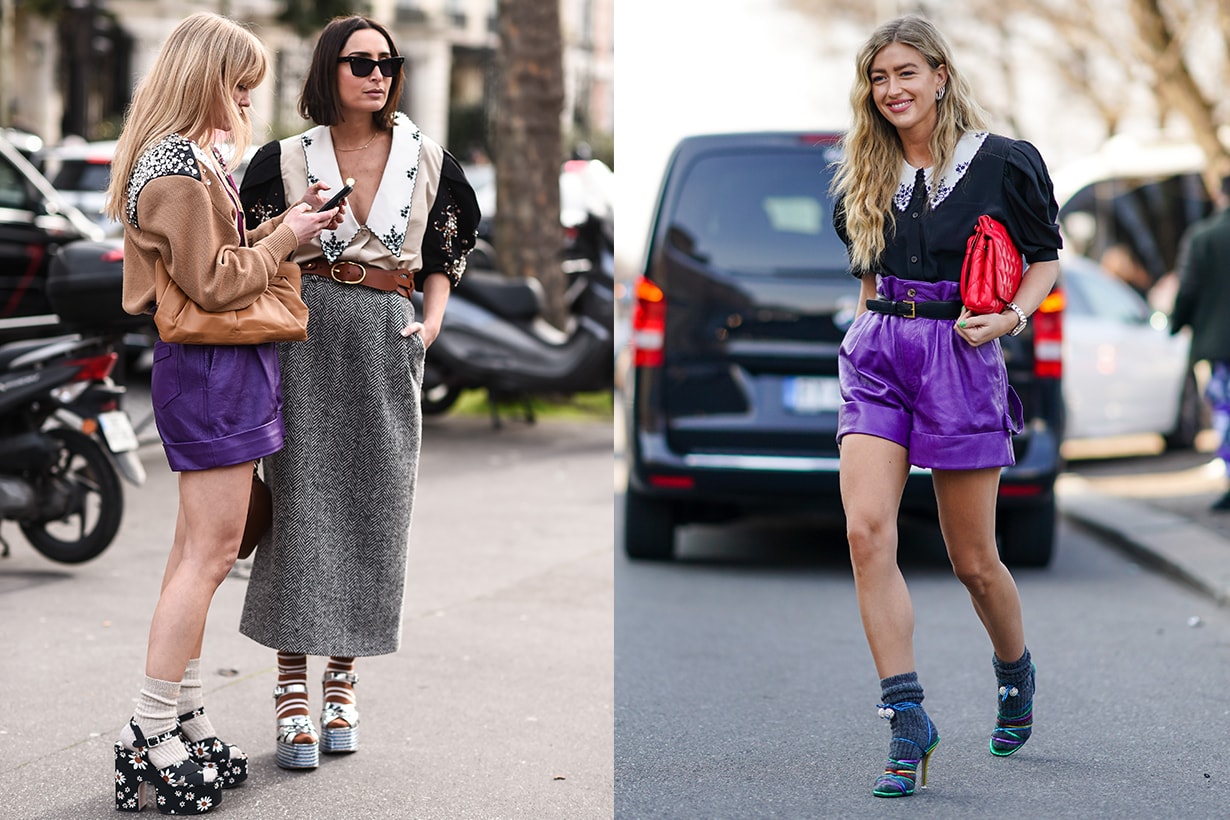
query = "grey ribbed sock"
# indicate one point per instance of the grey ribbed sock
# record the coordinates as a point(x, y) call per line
point(155, 714)
point(1018, 676)
point(913, 731)
point(191, 697)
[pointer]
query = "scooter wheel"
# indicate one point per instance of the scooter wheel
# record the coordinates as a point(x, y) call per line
point(438, 399)
point(91, 516)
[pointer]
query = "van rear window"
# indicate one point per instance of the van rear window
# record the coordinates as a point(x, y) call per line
point(759, 214)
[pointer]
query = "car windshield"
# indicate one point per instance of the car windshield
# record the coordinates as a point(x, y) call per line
point(761, 214)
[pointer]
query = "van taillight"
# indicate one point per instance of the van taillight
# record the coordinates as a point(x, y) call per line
point(1048, 336)
point(648, 324)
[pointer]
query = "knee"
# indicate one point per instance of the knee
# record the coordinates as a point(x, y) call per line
point(978, 576)
point(870, 540)
point(211, 565)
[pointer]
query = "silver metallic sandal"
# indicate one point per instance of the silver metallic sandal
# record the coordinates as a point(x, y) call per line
point(345, 739)
point(291, 755)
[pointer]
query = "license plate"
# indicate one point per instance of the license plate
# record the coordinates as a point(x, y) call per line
point(809, 395)
point(117, 430)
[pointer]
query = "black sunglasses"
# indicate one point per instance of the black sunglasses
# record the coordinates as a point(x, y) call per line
point(362, 66)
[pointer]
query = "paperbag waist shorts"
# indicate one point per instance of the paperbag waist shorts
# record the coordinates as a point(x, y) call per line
point(216, 405)
point(919, 384)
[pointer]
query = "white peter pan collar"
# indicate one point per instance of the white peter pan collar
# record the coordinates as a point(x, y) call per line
point(390, 210)
point(967, 147)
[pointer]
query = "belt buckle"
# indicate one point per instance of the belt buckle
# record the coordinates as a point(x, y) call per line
point(912, 314)
point(333, 273)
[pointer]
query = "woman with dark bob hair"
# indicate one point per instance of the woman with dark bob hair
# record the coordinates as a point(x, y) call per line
point(330, 577)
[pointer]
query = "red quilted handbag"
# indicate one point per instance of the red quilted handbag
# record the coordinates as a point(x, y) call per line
point(992, 269)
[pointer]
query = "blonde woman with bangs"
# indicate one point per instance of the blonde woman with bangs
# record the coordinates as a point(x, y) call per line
point(218, 408)
point(922, 377)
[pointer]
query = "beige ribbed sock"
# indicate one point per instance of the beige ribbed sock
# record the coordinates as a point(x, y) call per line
point(192, 697)
point(155, 714)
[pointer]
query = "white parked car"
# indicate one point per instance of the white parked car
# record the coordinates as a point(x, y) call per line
point(1123, 372)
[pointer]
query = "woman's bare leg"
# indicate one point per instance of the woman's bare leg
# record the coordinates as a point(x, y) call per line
point(873, 474)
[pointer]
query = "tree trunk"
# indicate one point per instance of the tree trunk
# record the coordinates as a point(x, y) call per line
point(528, 147)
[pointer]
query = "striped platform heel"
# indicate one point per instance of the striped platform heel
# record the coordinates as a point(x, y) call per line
point(339, 720)
point(292, 751)
point(182, 788)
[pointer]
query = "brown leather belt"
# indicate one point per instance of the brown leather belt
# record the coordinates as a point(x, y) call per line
point(353, 273)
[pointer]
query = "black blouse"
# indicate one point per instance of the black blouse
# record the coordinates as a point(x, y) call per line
point(445, 242)
point(1005, 179)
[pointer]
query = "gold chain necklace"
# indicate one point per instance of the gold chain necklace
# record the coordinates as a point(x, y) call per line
point(360, 148)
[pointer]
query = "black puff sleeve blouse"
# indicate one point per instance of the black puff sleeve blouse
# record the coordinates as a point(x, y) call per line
point(1005, 179)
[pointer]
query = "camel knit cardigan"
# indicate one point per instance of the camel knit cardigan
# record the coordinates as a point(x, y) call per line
point(191, 224)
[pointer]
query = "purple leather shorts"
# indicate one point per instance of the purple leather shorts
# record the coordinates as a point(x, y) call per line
point(216, 405)
point(917, 383)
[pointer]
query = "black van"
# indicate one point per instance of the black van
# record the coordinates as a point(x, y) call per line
point(743, 303)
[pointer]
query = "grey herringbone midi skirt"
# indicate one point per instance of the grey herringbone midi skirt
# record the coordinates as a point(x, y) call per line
point(330, 577)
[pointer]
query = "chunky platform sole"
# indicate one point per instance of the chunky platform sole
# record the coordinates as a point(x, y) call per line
point(297, 755)
point(335, 741)
point(177, 789)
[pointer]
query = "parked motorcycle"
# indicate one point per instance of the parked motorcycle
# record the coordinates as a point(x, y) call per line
point(494, 337)
point(64, 441)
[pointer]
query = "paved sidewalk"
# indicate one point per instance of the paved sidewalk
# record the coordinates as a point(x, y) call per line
point(1161, 517)
point(497, 707)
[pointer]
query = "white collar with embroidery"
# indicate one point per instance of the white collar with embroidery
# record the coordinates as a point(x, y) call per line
point(967, 147)
point(390, 210)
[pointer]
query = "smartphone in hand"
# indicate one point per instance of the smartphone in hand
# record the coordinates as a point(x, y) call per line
point(337, 198)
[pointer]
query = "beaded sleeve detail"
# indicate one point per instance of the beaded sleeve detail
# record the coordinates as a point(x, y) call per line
point(171, 156)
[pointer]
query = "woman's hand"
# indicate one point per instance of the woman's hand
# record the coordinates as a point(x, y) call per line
point(306, 222)
point(427, 332)
point(980, 328)
point(315, 196)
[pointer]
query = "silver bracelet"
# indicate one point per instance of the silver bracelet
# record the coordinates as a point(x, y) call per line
point(1016, 331)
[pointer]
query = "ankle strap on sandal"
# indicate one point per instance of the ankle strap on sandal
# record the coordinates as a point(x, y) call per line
point(148, 743)
point(887, 710)
point(187, 716)
point(286, 689)
point(343, 677)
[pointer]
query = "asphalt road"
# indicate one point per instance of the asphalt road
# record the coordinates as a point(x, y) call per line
point(497, 706)
point(744, 688)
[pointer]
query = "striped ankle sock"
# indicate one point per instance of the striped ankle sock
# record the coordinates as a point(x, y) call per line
point(292, 668)
point(337, 691)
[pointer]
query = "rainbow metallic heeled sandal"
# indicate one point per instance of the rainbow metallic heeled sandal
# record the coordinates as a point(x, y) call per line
point(231, 763)
point(289, 754)
point(901, 775)
point(345, 738)
point(183, 788)
point(1012, 730)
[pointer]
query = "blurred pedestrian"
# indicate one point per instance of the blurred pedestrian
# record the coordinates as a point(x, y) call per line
point(217, 408)
point(922, 378)
point(330, 579)
point(1203, 303)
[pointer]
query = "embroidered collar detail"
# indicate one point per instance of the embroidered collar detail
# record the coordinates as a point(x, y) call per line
point(172, 155)
point(390, 210)
point(967, 147)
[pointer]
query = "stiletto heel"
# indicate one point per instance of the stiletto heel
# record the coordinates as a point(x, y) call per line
point(289, 754)
point(231, 763)
point(345, 738)
point(901, 774)
point(183, 788)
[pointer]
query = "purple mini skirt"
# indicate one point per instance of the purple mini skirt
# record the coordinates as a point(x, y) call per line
point(216, 405)
point(919, 384)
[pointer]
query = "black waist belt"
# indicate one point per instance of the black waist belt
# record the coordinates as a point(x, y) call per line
point(915, 310)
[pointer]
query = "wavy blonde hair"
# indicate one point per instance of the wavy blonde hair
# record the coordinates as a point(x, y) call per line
point(868, 173)
point(192, 82)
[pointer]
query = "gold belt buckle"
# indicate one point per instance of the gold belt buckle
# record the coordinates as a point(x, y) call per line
point(333, 273)
point(912, 314)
